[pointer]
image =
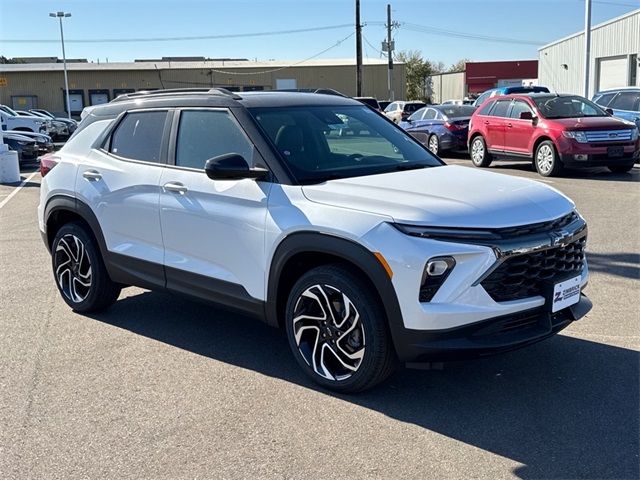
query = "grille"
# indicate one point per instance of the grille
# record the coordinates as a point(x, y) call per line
point(608, 135)
point(534, 228)
point(524, 276)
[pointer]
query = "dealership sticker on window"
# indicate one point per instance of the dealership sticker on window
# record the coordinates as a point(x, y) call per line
point(566, 293)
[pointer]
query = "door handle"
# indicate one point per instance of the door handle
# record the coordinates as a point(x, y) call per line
point(175, 187)
point(509, 125)
point(486, 122)
point(92, 175)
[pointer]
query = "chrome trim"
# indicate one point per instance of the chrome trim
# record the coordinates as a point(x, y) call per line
point(561, 237)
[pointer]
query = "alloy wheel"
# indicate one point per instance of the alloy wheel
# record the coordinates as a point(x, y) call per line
point(477, 151)
point(433, 144)
point(72, 268)
point(328, 332)
point(545, 159)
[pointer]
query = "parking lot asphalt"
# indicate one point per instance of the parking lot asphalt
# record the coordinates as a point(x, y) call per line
point(162, 387)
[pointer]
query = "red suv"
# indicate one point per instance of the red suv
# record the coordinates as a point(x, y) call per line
point(554, 131)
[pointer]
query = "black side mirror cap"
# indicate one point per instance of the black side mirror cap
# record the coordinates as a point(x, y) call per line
point(609, 111)
point(232, 166)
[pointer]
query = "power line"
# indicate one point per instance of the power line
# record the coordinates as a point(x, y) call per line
point(375, 49)
point(181, 39)
point(339, 42)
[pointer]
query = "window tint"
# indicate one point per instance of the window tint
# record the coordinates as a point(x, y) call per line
point(139, 136)
point(418, 115)
point(501, 108)
point(204, 134)
point(626, 101)
point(430, 115)
point(518, 108)
point(604, 99)
point(412, 107)
point(486, 108)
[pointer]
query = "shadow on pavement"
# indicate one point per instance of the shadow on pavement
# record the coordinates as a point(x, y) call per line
point(619, 264)
point(564, 408)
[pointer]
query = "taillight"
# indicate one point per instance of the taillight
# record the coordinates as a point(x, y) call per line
point(47, 162)
point(452, 126)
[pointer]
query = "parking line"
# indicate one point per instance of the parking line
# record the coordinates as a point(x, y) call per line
point(18, 188)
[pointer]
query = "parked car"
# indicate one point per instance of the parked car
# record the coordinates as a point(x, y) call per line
point(623, 102)
point(44, 143)
point(453, 102)
point(554, 131)
point(383, 104)
point(59, 129)
point(440, 127)
point(372, 102)
point(25, 147)
point(71, 124)
point(507, 91)
point(398, 111)
point(367, 250)
point(10, 120)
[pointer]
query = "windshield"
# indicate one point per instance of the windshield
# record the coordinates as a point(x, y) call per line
point(568, 107)
point(329, 142)
point(6, 109)
point(455, 111)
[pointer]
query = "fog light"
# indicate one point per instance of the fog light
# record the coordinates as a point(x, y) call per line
point(581, 157)
point(435, 273)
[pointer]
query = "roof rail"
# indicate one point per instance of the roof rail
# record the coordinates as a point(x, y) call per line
point(173, 91)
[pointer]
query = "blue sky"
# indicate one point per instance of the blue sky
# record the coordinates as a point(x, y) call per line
point(533, 21)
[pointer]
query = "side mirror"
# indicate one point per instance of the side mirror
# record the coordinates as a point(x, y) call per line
point(232, 166)
point(609, 111)
point(526, 116)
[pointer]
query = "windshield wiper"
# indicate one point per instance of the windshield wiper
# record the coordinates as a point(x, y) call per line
point(412, 166)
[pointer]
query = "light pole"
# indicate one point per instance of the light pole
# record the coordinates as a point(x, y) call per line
point(60, 16)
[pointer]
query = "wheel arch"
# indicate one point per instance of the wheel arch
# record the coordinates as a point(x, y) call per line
point(538, 141)
point(303, 250)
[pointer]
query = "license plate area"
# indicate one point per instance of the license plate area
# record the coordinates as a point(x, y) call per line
point(563, 294)
point(615, 152)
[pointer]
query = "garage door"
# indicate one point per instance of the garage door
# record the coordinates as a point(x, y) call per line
point(613, 73)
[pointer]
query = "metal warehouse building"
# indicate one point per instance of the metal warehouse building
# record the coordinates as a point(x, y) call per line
point(41, 85)
point(615, 56)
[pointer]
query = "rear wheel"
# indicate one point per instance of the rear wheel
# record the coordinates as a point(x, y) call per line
point(620, 168)
point(434, 144)
point(337, 330)
point(546, 160)
point(480, 157)
point(79, 270)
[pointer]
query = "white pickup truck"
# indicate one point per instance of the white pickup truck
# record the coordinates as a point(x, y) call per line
point(10, 120)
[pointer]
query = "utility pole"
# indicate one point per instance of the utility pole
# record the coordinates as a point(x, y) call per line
point(390, 54)
point(358, 51)
point(60, 16)
point(587, 45)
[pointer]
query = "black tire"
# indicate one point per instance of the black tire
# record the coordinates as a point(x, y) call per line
point(620, 168)
point(480, 157)
point(546, 160)
point(433, 144)
point(366, 333)
point(83, 268)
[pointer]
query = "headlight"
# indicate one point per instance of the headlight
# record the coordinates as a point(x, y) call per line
point(634, 134)
point(451, 234)
point(578, 135)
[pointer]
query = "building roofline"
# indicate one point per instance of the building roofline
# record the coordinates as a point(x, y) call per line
point(594, 27)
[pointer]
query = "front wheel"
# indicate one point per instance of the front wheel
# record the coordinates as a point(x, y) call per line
point(546, 160)
point(337, 330)
point(79, 271)
point(480, 157)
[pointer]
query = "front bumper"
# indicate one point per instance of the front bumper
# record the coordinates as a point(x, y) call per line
point(487, 337)
point(574, 154)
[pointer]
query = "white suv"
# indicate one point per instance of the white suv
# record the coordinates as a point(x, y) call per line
point(367, 248)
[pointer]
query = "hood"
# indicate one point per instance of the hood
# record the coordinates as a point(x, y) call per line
point(592, 123)
point(447, 196)
point(17, 136)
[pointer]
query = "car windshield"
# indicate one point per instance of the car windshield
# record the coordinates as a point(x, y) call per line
point(568, 107)
point(455, 111)
point(8, 110)
point(319, 143)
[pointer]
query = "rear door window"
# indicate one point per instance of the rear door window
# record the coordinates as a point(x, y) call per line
point(139, 136)
point(626, 101)
point(501, 108)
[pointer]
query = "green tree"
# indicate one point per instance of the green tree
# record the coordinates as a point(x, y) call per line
point(417, 70)
point(459, 66)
